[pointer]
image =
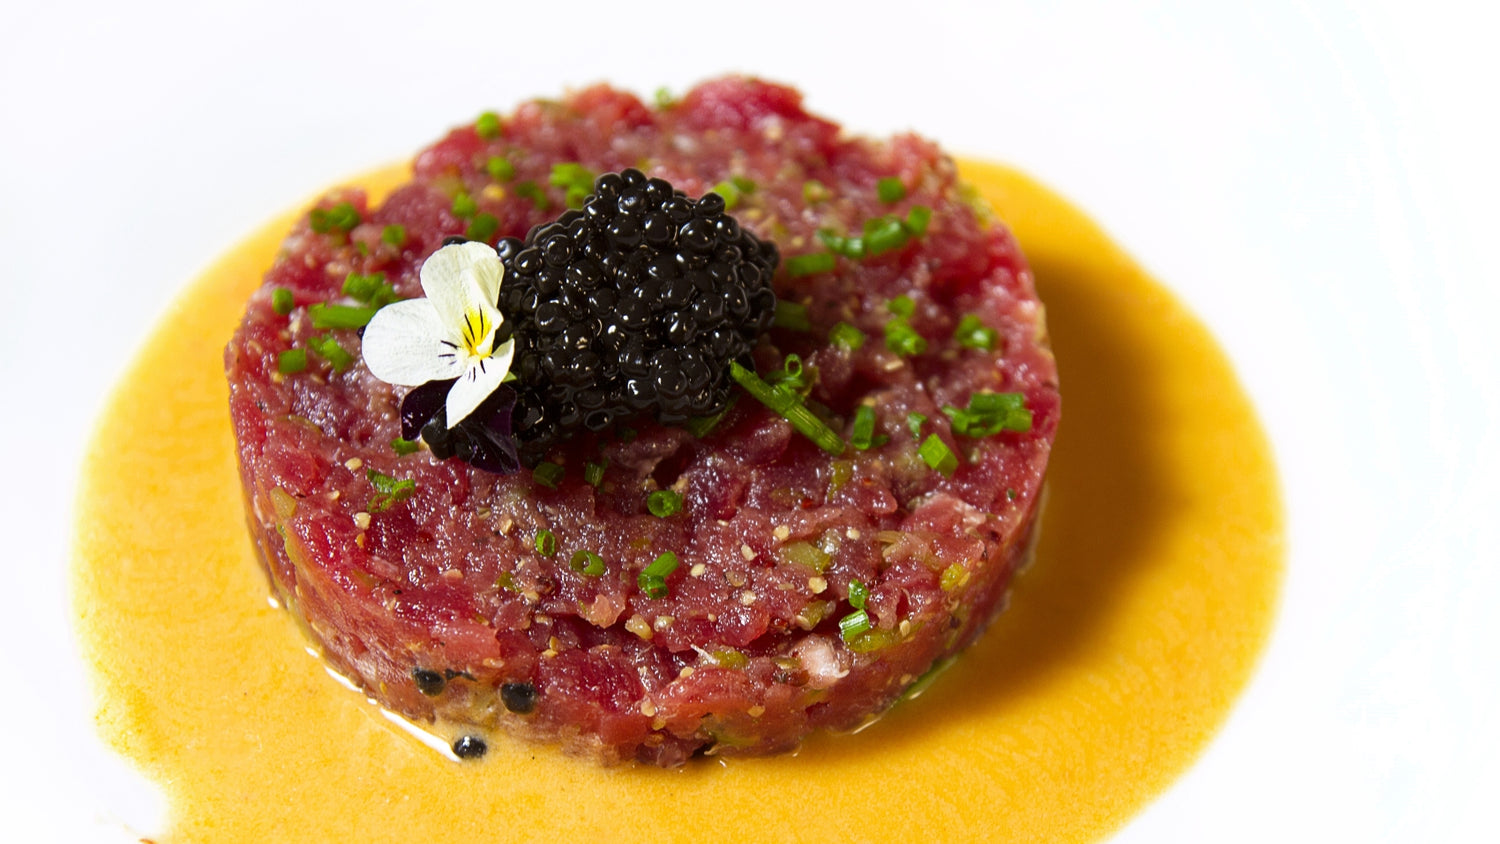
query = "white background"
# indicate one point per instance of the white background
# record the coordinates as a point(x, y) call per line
point(1318, 182)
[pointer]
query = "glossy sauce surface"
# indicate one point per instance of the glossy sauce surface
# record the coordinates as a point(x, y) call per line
point(1124, 646)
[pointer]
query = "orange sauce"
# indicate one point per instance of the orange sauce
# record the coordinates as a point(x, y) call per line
point(1124, 646)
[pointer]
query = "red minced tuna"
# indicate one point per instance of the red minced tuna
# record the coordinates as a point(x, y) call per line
point(811, 590)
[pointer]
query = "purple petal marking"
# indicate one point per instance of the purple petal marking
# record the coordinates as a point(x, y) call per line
point(420, 405)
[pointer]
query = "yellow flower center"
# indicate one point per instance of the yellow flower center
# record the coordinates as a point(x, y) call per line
point(478, 341)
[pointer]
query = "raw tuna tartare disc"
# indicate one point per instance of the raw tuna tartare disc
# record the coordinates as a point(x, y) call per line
point(812, 586)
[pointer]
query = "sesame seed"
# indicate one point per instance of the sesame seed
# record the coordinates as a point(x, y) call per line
point(747, 597)
point(453, 575)
point(362, 520)
point(852, 533)
point(492, 192)
point(747, 552)
point(735, 578)
point(781, 532)
point(639, 627)
point(687, 671)
point(905, 627)
point(648, 708)
point(698, 569)
point(662, 622)
point(353, 464)
point(817, 585)
point(756, 711)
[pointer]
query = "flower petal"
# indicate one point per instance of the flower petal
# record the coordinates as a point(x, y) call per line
point(404, 345)
point(478, 382)
point(458, 278)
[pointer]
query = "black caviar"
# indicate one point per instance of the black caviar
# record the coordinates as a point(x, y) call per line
point(429, 683)
point(633, 304)
point(469, 747)
point(518, 697)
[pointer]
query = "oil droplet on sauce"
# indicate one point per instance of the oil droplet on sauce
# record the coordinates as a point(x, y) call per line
point(1122, 650)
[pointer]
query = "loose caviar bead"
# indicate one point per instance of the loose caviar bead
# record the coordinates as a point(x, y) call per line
point(430, 683)
point(519, 698)
point(469, 747)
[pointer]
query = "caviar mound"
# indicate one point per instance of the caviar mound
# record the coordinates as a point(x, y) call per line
point(807, 590)
point(635, 302)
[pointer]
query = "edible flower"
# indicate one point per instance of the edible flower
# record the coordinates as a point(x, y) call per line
point(449, 335)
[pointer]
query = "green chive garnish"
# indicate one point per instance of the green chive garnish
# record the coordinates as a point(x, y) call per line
point(884, 234)
point(863, 435)
point(701, 426)
point(664, 503)
point(482, 228)
point(341, 217)
point(914, 422)
point(330, 350)
point(587, 562)
point(388, 490)
point(340, 316)
point(917, 219)
point(989, 414)
point(547, 474)
point(282, 301)
point(529, 190)
point(811, 263)
point(663, 98)
point(291, 361)
point(464, 206)
point(902, 306)
point(792, 376)
point(858, 594)
point(653, 578)
point(546, 542)
point(854, 624)
point(790, 407)
point(936, 453)
point(902, 339)
point(846, 336)
point(744, 184)
point(393, 235)
point(593, 473)
point(973, 334)
point(403, 447)
point(890, 189)
point(791, 315)
point(488, 125)
point(500, 168)
point(371, 289)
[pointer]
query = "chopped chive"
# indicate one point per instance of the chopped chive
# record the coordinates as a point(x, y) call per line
point(853, 624)
point(884, 234)
point(488, 125)
point(701, 426)
point(663, 98)
point(936, 453)
point(341, 217)
point(971, 333)
point(902, 306)
point(952, 577)
point(745, 185)
point(902, 339)
point(791, 315)
point(917, 219)
point(547, 474)
point(792, 376)
point(653, 578)
point(914, 422)
point(330, 350)
point(394, 235)
point(593, 473)
point(833, 240)
point(291, 361)
point(403, 446)
point(730, 192)
point(570, 173)
point(388, 490)
point(340, 316)
point(890, 189)
point(371, 289)
point(846, 336)
point(587, 562)
point(859, 593)
point(482, 228)
point(530, 190)
point(663, 565)
point(500, 168)
point(863, 435)
point(1010, 495)
point(811, 263)
point(664, 503)
point(546, 542)
point(790, 407)
point(464, 206)
point(989, 414)
point(814, 191)
point(282, 301)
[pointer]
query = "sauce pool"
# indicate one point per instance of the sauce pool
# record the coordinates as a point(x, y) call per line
point(1124, 646)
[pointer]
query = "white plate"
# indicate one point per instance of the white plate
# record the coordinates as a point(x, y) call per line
point(1318, 184)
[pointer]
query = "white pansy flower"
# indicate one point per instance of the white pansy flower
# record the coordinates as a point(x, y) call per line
point(450, 334)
